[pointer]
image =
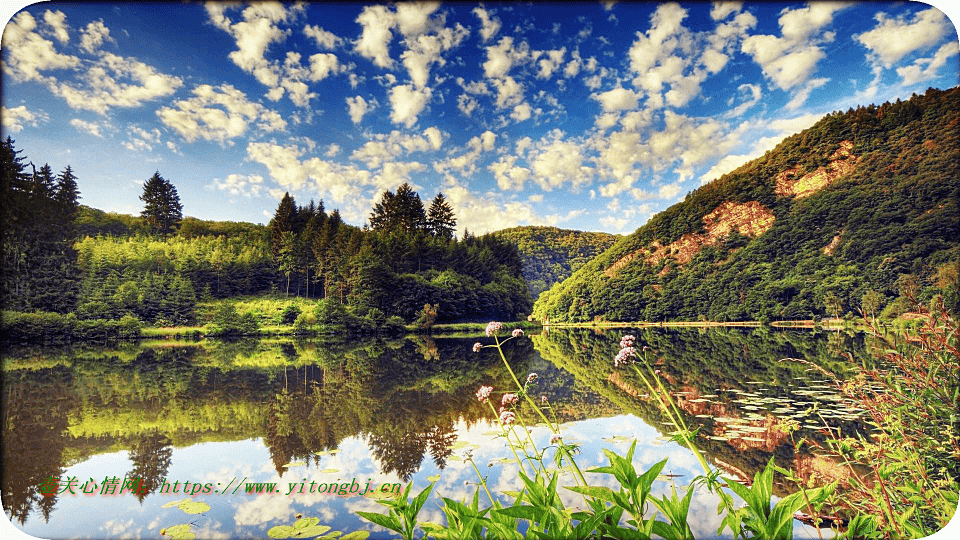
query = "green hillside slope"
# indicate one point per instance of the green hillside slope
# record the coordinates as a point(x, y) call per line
point(549, 255)
point(858, 210)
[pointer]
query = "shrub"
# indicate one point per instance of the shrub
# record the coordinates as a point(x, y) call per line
point(289, 314)
point(228, 322)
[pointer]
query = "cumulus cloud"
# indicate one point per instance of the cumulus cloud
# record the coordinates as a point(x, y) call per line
point(426, 49)
point(115, 81)
point(323, 38)
point(407, 102)
point(374, 41)
point(94, 35)
point(239, 184)
point(789, 61)
point(218, 114)
point(924, 69)
point(557, 162)
point(357, 107)
point(28, 54)
point(892, 39)
point(382, 149)
point(489, 25)
point(57, 22)
point(92, 128)
point(617, 99)
point(14, 119)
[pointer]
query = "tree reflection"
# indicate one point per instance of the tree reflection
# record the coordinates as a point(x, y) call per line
point(151, 456)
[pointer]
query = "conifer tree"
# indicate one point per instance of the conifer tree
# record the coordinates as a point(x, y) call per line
point(283, 221)
point(162, 209)
point(440, 220)
point(401, 211)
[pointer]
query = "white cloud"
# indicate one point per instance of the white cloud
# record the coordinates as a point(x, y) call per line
point(426, 49)
point(105, 86)
point(27, 54)
point(521, 112)
point(550, 64)
point(95, 34)
point(237, 184)
point(894, 38)
point(324, 39)
point(57, 21)
point(559, 162)
point(333, 150)
point(721, 10)
point(407, 102)
point(92, 128)
point(751, 96)
point(374, 41)
point(15, 118)
point(489, 26)
point(467, 104)
point(791, 60)
point(357, 107)
point(917, 73)
point(617, 99)
point(218, 114)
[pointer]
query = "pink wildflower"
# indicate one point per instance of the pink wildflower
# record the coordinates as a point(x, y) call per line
point(507, 418)
point(510, 399)
point(493, 328)
point(517, 332)
point(624, 356)
point(531, 377)
point(626, 341)
point(555, 438)
point(483, 394)
point(477, 346)
point(543, 399)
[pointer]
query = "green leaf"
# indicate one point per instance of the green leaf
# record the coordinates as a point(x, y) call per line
point(281, 531)
point(384, 521)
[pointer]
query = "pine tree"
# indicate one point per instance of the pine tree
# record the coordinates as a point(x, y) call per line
point(162, 209)
point(440, 220)
point(283, 221)
point(401, 211)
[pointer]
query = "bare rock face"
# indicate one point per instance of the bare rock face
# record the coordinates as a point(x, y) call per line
point(750, 219)
point(842, 162)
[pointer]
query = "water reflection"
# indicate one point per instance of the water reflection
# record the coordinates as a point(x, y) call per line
point(391, 410)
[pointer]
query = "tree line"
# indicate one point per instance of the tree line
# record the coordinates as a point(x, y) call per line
point(60, 256)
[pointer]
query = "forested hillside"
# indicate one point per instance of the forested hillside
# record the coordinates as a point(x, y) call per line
point(59, 256)
point(550, 254)
point(858, 211)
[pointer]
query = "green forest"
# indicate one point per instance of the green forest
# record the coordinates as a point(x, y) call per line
point(881, 234)
point(159, 267)
point(857, 214)
point(550, 254)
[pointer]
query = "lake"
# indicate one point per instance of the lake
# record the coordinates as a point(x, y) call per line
point(377, 413)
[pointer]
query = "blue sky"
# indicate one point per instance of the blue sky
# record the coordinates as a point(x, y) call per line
point(589, 116)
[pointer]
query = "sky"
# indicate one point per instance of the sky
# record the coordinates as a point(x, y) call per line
point(590, 116)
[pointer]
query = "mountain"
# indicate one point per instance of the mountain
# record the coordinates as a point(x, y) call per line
point(859, 210)
point(549, 255)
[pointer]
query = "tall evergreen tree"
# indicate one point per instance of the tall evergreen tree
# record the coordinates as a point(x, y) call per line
point(401, 211)
point(440, 220)
point(162, 209)
point(283, 221)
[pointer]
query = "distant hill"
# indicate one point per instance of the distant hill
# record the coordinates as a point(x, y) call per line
point(859, 210)
point(550, 255)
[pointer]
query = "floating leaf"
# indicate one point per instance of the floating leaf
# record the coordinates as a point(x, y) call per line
point(618, 439)
point(306, 522)
point(328, 471)
point(296, 464)
point(486, 434)
point(433, 478)
point(193, 507)
point(356, 535)
point(310, 532)
point(463, 444)
point(178, 529)
point(281, 531)
point(171, 504)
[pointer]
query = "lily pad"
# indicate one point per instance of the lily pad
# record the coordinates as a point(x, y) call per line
point(463, 444)
point(193, 507)
point(433, 478)
point(179, 532)
point(328, 471)
point(618, 439)
point(310, 532)
point(356, 535)
point(171, 504)
point(281, 531)
point(303, 523)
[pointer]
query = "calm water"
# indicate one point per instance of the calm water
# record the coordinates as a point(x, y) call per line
point(381, 412)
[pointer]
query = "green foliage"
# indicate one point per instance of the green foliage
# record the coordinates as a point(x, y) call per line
point(551, 255)
point(227, 322)
point(162, 210)
point(894, 214)
point(45, 327)
point(403, 512)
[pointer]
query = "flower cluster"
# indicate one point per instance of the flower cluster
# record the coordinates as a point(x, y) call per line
point(477, 346)
point(627, 341)
point(517, 332)
point(483, 394)
point(493, 328)
point(531, 378)
point(507, 417)
point(509, 399)
point(624, 356)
